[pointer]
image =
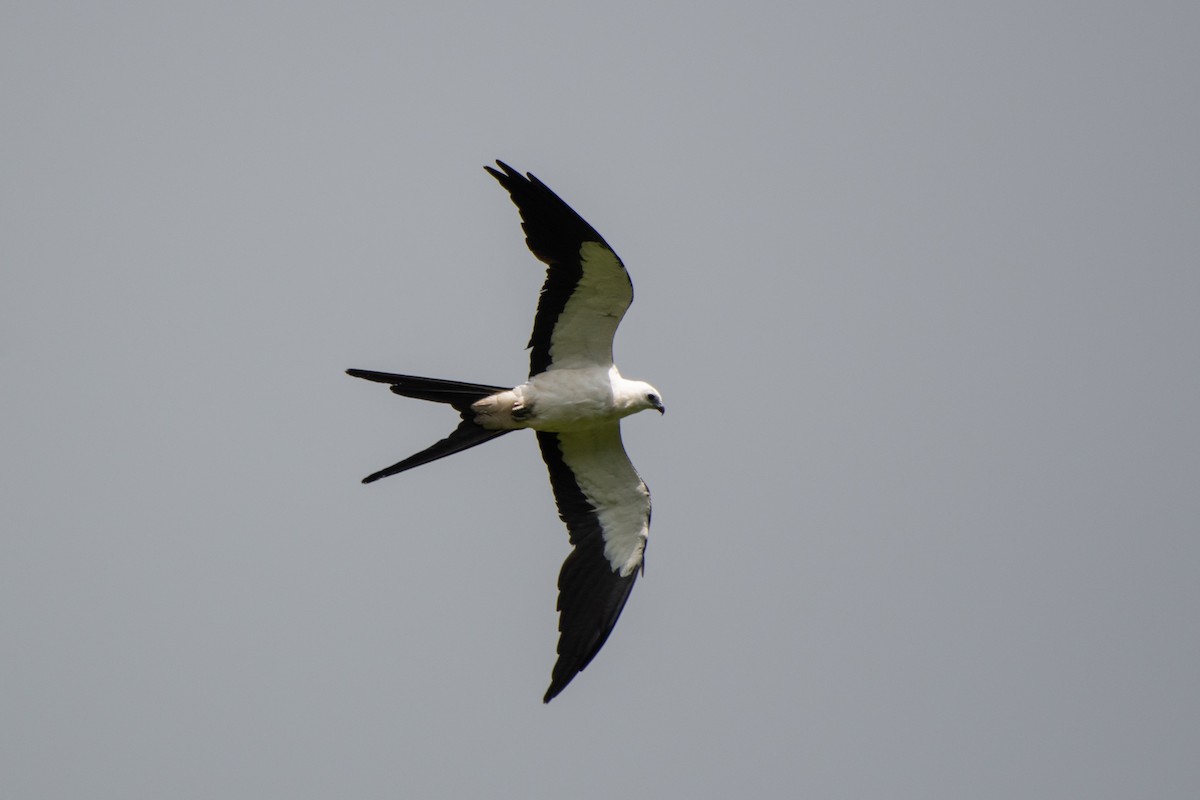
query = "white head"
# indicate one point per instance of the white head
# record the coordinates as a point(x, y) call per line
point(638, 396)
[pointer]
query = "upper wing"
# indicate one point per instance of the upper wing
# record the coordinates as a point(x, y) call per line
point(606, 507)
point(587, 289)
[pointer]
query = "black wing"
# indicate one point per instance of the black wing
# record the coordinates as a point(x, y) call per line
point(587, 289)
point(606, 508)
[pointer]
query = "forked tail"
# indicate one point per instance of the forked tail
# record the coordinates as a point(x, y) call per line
point(456, 394)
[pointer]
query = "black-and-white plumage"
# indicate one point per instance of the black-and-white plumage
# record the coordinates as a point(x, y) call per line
point(574, 399)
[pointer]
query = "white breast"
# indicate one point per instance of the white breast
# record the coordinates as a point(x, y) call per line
point(570, 399)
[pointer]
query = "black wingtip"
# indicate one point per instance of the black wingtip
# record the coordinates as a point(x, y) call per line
point(373, 375)
point(509, 177)
point(509, 171)
point(555, 690)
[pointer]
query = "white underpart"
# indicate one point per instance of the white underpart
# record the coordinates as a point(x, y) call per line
point(611, 484)
point(583, 332)
point(575, 399)
point(568, 399)
point(565, 400)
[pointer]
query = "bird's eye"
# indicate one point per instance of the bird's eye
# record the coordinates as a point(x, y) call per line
point(652, 398)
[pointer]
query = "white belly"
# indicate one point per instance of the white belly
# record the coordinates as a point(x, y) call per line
point(558, 400)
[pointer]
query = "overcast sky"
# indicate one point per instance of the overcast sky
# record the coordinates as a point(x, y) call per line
point(919, 283)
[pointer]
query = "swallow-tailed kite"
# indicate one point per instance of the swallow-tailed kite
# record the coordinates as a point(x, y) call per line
point(574, 400)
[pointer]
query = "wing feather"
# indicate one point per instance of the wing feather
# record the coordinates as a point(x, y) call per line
point(587, 289)
point(606, 508)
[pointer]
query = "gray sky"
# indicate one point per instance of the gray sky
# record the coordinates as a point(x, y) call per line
point(918, 282)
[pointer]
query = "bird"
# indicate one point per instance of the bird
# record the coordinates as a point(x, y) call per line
point(573, 399)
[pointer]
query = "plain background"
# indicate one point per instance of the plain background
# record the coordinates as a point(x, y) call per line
point(919, 283)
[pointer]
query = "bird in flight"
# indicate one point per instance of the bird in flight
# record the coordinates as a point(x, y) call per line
point(574, 400)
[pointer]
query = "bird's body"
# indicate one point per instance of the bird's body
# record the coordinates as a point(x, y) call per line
point(565, 400)
point(574, 399)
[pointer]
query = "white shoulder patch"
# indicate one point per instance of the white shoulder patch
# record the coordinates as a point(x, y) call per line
point(608, 480)
point(584, 331)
